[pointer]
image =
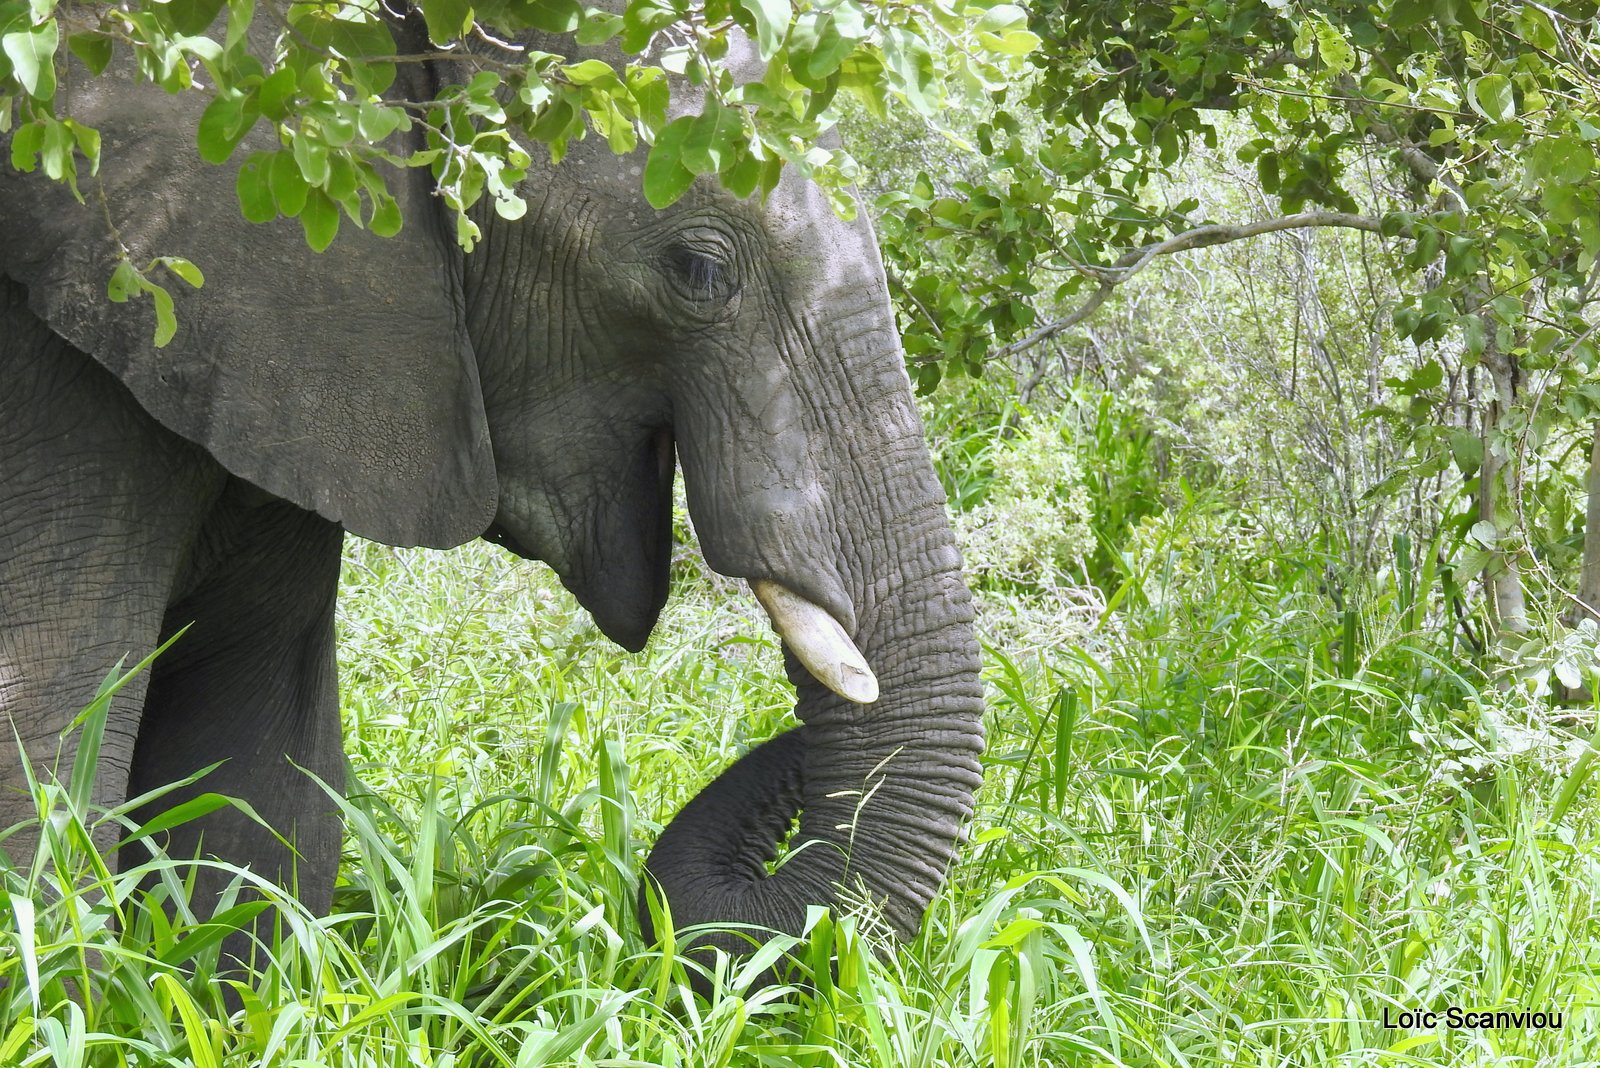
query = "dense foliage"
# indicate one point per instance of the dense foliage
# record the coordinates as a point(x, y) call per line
point(1465, 126)
point(318, 77)
point(1458, 137)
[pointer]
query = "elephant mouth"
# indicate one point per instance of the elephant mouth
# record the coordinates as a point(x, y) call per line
point(504, 538)
point(621, 574)
point(613, 549)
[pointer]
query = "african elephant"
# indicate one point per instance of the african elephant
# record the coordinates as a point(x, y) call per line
point(540, 392)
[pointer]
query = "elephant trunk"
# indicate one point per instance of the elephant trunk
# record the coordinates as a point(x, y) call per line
point(881, 789)
point(888, 786)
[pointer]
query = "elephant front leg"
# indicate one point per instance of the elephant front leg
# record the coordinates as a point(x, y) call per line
point(252, 684)
point(98, 505)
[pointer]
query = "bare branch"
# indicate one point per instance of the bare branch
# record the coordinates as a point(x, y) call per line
point(1354, 98)
point(1137, 260)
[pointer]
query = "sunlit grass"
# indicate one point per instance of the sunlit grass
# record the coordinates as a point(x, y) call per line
point(1226, 827)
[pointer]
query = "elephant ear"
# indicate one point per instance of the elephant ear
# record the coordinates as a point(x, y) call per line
point(342, 381)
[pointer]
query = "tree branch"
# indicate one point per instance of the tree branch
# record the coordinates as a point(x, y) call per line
point(1423, 167)
point(895, 281)
point(1138, 259)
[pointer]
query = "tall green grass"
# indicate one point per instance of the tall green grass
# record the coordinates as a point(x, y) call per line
point(1226, 823)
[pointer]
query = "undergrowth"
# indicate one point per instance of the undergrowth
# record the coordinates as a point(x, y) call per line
point(1226, 821)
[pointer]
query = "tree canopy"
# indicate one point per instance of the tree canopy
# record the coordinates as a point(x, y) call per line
point(1482, 116)
point(320, 83)
point(1461, 132)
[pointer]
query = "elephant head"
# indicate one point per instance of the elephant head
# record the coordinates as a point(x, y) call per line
point(755, 338)
point(541, 391)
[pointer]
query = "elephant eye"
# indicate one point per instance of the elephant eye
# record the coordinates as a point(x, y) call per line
point(702, 275)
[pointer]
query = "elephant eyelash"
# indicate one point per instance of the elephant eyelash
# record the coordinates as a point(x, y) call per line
point(705, 276)
point(703, 273)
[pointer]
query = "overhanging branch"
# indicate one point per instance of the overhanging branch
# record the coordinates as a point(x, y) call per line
point(1138, 259)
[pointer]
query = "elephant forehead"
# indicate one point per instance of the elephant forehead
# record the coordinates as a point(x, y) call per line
point(803, 229)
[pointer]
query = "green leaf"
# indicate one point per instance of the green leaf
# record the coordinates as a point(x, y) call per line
point(288, 186)
point(223, 124)
point(712, 137)
point(1332, 46)
point(88, 141)
point(665, 177)
point(92, 49)
point(651, 94)
point(770, 19)
point(1065, 711)
point(385, 221)
point(611, 123)
point(1015, 43)
point(447, 20)
point(56, 155)
point(1002, 17)
point(1406, 319)
point(642, 19)
point(311, 156)
point(320, 220)
point(771, 173)
point(32, 53)
point(377, 121)
point(741, 179)
point(124, 283)
point(1396, 223)
point(186, 812)
point(166, 320)
point(467, 232)
point(193, 16)
point(1491, 97)
point(221, 925)
point(510, 208)
point(590, 72)
point(557, 122)
point(276, 92)
point(240, 14)
point(183, 268)
point(25, 145)
point(254, 188)
point(1566, 160)
point(341, 187)
point(910, 60)
point(337, 123)
point(598, 27)
point(832, 47)
point(1474, 335)
point(553, 16)
point(363, 43)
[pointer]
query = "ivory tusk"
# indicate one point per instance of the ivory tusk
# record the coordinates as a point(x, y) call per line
point(819, 642)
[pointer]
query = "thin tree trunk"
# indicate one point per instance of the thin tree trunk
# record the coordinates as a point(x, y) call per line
point(1500, 485)
point(1587, 605)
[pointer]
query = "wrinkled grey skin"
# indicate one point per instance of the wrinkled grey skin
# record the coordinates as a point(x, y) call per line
point(534, 392)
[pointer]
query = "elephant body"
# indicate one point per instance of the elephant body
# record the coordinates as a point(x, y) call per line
point(117, 533)
point(541, 391)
